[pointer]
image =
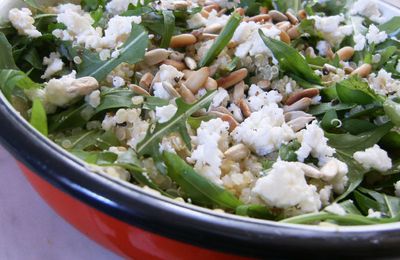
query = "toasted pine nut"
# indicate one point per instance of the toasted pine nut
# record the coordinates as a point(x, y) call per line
point(329, 53)
point(211, 84)
point(240, 11)
point(207, 36)
point(170, 89)
point(197, 79)
point(187, 73)
point(294, 32)
point(285, 37)
point(309, 171)
point(264, 84)
point(227, 118)
point(204, 13)
point(363, 71)
point(302, 14)
point(211, 7)
point(179, 65)
point(138, 90)
point(176, 55)
point(222, 12)
point(182, 40)
point(245, 108)
point(345, 53)
point(237, 152)
point(300, 122)
point(233, 78)
point(263, 10)
point(310, 93)
point(277, 16)
point(190, 63)
point(292, 18)
point(238, 92)
point(156, 56)
point(302, 105)
point(83, 86)
point(348, 70)
point(289, 116)
point(213, 28)
point(310, 52)
point(145, 81)
point(261, 18)
point(221, 109)
point(186, 94)
point(284, 26)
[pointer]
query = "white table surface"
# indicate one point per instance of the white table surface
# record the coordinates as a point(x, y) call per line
point(29, 229)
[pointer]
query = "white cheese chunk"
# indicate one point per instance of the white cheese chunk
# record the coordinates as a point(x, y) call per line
point(374, 158)
point(165, 113)
point(336, 209)
point(54, 64)
point(375, 36)
point(22, 20)
point(285, 186)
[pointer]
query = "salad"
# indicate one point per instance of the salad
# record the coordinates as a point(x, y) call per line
point(280, 110)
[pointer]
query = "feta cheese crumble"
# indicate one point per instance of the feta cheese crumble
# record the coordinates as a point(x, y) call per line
point(336, 209)
point(207, 156)
point(54, 64)
point(22, 20)
point(314, 143)
point(285, 186)
point(264, 131)
point(165, 113)
point(375, 36)
point(374, 158)
point(93, 99)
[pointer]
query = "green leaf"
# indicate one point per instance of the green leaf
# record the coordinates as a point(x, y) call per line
point(386, 55)
point(222, 40)
point(200, 190)
point(114, 98)
point(392, 110)
point(149, 146)
point(131, 52)
point(255, 211)
point(349, 207)
point(287, 152)
point(75, 116)
point(391, 27)
point(349, 144)
point(169, 28)
point(387, 204)
point(38, 117)
point(195, 122)
point(33, 3)
point(356, 173)
point(329, 120)
point(325, 107)
point(357, 126)
point(95, 157)
point(290, 60)
point(365, 203)
point(356, 91)
point(347, 220)
point(6, 57)
point(12, 79)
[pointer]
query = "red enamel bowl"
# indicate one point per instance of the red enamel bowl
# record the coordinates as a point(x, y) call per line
point(137, 224)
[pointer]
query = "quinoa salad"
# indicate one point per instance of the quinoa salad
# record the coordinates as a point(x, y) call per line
point(279, 110)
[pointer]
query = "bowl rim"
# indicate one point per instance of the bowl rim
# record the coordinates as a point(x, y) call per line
point(180, 221)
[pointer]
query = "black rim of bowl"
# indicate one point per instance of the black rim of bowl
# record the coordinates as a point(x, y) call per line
point(185, 223)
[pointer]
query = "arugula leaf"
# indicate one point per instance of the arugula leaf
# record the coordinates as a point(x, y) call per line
point(347, 220)
point(6, 57)
point(131, 52)
point(12, 79)
point(287, 152)
point(392, 110)
point(169, 28)
point(255, 211)
point(199, 189)
point(391, 27)
point(114, 98)
point(386, 55)
point(349, 207)
point(325, 107)
point(222, 40)
point(364, 202)
point(349, 144)
point(290, 60)
point(149, 146)
point(32, 3)
point(356, 173)
point(75, 116)
point(387, 204)
point(355, 91)
point(95, 157)
point(38, 117)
